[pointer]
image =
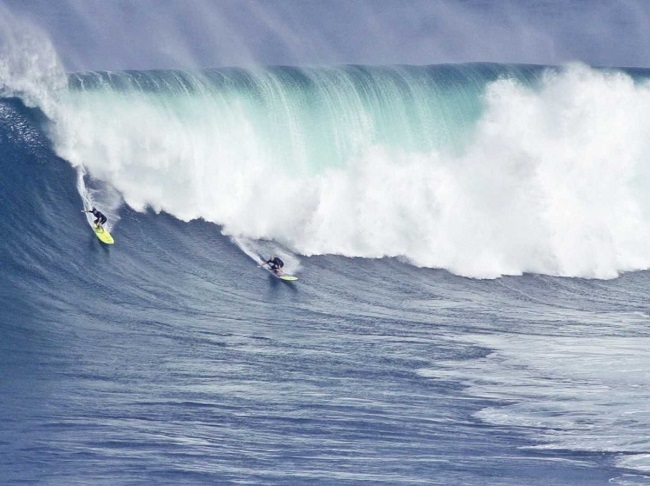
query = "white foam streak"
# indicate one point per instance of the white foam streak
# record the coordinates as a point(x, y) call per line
point(101, 196)
point(589, 394)
point(553, 180)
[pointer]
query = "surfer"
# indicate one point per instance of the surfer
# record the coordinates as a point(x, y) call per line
point(275, 264)
point(101, 219)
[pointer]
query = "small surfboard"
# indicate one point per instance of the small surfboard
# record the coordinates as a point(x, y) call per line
point(103, 235)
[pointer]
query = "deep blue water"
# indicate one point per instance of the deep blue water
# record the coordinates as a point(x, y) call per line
point(170, 358)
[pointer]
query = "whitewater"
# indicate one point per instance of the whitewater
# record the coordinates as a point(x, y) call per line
point(471, 243)
point(481, 170)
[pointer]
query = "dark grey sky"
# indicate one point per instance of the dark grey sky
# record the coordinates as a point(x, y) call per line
point(148, 34)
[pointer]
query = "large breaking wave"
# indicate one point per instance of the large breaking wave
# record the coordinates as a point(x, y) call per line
point(171, 341)
point(484, 170)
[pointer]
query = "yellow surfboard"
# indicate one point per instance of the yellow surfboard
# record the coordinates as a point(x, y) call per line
point(103, 235)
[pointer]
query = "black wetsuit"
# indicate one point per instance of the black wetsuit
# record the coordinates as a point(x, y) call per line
point(101, 219)
point(275, 263)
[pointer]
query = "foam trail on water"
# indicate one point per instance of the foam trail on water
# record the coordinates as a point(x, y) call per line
point(99, 195)
point(479, 170)
point(586, 395)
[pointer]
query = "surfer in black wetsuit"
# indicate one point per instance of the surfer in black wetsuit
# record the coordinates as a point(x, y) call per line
point(275, 264)
point(100, 218)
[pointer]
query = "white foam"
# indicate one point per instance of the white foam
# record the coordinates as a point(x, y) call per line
point(580, 394)
point(554, 179)
point(639, 462)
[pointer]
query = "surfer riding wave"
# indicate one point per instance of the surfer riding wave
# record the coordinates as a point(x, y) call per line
point(100, 218)
point(275, 265)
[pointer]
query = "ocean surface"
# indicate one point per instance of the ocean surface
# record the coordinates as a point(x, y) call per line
point(471, 243)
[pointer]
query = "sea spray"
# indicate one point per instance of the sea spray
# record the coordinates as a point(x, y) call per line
point(29, 66)
point(483, 170)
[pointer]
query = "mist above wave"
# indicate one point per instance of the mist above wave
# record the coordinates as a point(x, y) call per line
point(29, 65)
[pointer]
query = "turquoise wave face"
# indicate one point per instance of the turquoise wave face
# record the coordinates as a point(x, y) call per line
point(311, 119)
point(481, 169)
